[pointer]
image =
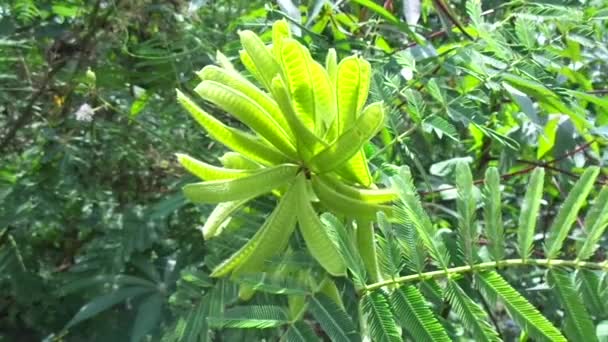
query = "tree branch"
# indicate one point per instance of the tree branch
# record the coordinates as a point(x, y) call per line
point(534, 164)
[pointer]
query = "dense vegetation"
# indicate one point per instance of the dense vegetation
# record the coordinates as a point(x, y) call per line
point(455, 190)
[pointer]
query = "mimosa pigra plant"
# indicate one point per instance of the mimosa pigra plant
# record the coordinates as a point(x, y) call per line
point(308, 126)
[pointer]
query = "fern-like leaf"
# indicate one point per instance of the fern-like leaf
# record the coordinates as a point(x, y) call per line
point(411, 212)
point(346, 247)
point(415, 316)
point(588, 285)
point(26, 11)
point(412, 246)
point(493, 214)
point(472, 315)
point(333, 319)
point(379, 317)
point(494, 288)
point(389, 251)
point(193, 327)
point(529, 213)
point(579, 326)
point(299, 332)
point(596, 222)
point(252, 316)
point(466, 206)
point(568, 212)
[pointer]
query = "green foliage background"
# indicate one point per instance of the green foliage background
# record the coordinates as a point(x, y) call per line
point(91, 212)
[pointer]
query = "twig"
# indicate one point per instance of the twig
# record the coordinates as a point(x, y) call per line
point(439, 33)
point(524, 171)
point(398, 138)
point(27, 113)
point(441, 6)
point(548, 167)
point(598, 91)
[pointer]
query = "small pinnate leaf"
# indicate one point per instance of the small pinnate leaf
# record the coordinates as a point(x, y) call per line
point(379, 317)
point(578, 322)
point(529, 213)
point(495, 288)
point(568, 212)
point(252, 316)
point(466, 205)
point(410, 307)
point(493, 214)
point(299, 332)
point(411, 212)
point(596, 222)
point(472, 315)
point(333, 319)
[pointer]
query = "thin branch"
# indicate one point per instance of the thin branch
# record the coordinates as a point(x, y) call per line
point(485, 266)
point(439, 33)
point(598, 91)
point(526, 170)
point(398, 138)
point(441, 6)
point(548, 167)
point(27, 112)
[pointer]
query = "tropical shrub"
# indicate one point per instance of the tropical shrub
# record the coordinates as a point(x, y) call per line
point(425, 271)
point(96, 237)
point(309, 132)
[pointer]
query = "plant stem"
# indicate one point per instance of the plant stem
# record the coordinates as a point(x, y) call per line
point(488, 266)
